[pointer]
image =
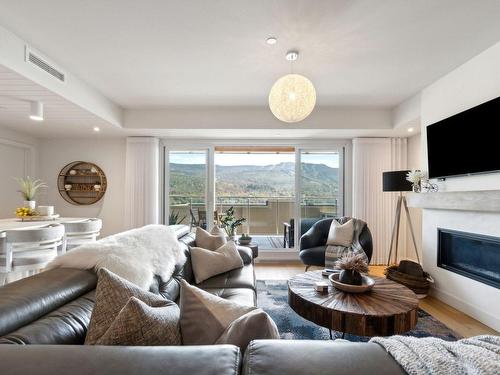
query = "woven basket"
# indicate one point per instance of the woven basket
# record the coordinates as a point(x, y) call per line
point(419, 285)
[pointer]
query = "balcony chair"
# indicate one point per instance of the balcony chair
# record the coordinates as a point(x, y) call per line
point(313, 242)
point(288, 229)
point(27, 251)
point(198, 220)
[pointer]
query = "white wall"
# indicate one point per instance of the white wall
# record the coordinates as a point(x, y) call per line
point(18, 158)
point(414, 162)
point(109, 154)
point(473, 83)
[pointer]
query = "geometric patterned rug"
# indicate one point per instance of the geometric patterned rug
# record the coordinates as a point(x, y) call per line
point(272, 297)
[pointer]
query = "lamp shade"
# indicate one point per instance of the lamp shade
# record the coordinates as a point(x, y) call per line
point(396, 181)
point(292, 98)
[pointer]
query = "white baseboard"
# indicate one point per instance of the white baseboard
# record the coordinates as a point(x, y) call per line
point(465, 307)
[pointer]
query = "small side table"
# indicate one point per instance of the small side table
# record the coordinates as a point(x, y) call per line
point(253, 246)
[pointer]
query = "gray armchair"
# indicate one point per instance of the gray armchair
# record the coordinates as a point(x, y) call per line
point(313, 242)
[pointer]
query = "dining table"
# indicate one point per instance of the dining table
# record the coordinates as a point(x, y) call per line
point(18, 223)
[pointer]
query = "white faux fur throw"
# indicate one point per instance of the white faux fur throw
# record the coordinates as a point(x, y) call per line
point(136, 255)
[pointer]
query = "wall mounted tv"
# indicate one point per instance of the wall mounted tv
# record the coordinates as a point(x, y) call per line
point(466, 143)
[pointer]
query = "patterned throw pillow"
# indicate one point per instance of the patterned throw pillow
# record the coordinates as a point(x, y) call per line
point(207, 263)
point(209, 241)
point(207, 319)
point(140, 324)
point(112, 294)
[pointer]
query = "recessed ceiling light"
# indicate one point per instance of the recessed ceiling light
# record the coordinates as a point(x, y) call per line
point(36, 111)
point(271, 40)
point(410, 130)
point(97, 129)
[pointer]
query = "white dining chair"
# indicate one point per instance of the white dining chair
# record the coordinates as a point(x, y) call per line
point(27, 251)
point(80, 232)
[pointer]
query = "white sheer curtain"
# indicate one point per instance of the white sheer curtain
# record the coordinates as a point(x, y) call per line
point(142, 178)
point(371, 157)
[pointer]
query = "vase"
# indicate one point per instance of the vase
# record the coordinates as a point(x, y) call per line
point(350, 277)
point(30, 204)
point(416, 188)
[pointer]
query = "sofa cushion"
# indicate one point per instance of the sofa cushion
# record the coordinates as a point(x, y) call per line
point(139, 324)
point(298, 357)
point(208, 263)
point(65, 325)
point(31, 298)
point(134, 360)
point(111, 295)
point(243, 296)
point(239, 278)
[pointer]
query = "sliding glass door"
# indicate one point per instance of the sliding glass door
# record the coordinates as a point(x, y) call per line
point(279, 191)
point(259, 184)
point(186, 173)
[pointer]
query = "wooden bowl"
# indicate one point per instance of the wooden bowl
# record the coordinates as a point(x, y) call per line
point(367, 284)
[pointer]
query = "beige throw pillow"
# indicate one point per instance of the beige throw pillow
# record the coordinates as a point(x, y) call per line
point(209, 241)
point(218, 231)
point(111, 295)
point(208, 263)
point(341, 234)
point(207, 319)
point(139, 324)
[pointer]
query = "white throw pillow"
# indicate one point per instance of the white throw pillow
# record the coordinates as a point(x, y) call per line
point(341, 234)
point(208, 263)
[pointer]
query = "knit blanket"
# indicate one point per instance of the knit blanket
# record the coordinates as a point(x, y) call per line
point(333, 253)
point(418, 356)
point(137, 255)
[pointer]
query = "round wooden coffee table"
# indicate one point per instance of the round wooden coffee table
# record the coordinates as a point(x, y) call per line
point(388, 309)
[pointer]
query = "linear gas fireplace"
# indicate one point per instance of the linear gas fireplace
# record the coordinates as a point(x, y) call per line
point(472, 255)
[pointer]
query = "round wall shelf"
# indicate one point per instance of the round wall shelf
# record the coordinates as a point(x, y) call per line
point(82, 183)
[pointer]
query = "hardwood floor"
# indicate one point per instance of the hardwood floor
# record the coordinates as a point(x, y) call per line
point(454, 319)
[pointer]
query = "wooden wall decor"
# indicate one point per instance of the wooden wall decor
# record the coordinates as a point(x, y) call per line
point(82, 183)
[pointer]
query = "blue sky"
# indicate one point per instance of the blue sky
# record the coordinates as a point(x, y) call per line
point(329, 159)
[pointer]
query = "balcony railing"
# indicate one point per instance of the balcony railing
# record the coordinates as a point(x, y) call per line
point(265, 215)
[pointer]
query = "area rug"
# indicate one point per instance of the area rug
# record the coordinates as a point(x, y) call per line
point(272, 297)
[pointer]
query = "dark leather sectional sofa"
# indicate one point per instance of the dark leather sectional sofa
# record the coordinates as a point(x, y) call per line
point(44, 318)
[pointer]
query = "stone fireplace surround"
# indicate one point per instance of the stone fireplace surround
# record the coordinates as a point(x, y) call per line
point(474, 212)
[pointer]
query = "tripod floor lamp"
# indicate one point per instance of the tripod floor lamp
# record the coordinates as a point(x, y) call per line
point(395, 181)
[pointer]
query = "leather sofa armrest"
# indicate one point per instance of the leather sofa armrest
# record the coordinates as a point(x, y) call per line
point(245, 254)
point(298, 357)
point(124, 360)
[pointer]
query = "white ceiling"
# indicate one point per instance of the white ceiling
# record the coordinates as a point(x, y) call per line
point(61, 117)
point(152, 53)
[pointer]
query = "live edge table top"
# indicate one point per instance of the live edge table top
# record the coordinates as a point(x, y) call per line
point(388, 309)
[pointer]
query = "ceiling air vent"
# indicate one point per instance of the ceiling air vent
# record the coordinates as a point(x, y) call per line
point(36, 59)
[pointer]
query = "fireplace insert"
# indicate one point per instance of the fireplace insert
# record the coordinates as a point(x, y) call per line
point(475, 256)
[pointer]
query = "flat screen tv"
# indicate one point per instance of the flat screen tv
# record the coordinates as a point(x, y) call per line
point(466, 143)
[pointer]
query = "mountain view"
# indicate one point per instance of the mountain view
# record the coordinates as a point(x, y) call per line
point(319, 180)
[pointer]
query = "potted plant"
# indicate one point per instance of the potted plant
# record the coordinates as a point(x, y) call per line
point(230, 223)
point(29, 187)
point(352, 265)
point(173, 218)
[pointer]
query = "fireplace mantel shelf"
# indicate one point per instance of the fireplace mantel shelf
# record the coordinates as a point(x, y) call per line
point(480, 201)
